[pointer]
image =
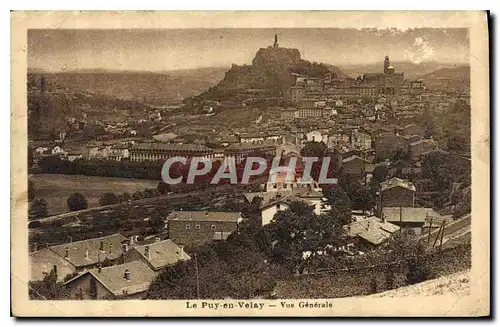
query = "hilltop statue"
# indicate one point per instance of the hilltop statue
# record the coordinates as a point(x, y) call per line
point(275, 45)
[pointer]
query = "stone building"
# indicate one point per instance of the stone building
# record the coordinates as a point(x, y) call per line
point(397, 192)
point(191, 228)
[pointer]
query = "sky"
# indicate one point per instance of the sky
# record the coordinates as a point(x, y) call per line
point(172, 49)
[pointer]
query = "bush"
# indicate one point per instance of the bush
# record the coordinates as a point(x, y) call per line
point(108, 199)
point(38, 209)
point(77, 201)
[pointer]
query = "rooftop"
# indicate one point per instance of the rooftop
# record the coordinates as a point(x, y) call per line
point(409, 214)
point(221, 236)
point(88, 252)
point(397, 182)
point(423, 141)
point(351, 158)
point(140, 276)
point(171, 147)
point(162, 254)
point(372, 229)
point(206, 216)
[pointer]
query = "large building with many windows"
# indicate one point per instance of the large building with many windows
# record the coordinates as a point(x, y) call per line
point(162, 151)
point(387, 83)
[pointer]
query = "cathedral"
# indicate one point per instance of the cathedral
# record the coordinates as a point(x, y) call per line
point(387, 83)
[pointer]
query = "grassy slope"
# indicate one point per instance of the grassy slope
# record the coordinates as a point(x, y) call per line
point(55, 189)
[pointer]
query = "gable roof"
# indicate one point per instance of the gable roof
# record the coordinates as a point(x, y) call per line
point(409, 214)
point(113, 278)
point(397, 182)
point(162, 254)
point(112, 249)
point(288, 200)
point(351, 158)
point(432, 142)
point(205, 216)
point(221, 236)
point(372, 229)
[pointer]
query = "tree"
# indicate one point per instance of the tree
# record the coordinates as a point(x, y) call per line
point(297, 230)
point(389, 277)
point(126, 196)
point(456, 143)
point(31, 191)
point(373, 285)
point(340, 205)
point(38, 209)
point(77, 201)
point(48, 288)
point(108, 199)
point(314, 149)
point(380, 173)
point(157, 222)
point(137, 195)
point(163, 188)
point(362, 199)
point(419, 270)
point(241, 269)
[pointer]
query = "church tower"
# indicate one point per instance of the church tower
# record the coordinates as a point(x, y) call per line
point(387, 64)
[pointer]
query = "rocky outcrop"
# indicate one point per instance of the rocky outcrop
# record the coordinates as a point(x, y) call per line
point(272, 69)
point(269, 57)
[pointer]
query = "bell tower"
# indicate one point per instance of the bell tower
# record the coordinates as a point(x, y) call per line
point(387, 63)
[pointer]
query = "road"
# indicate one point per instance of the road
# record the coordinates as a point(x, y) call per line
point(454, 231)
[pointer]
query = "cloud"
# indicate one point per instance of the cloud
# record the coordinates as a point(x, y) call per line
point(419, 51)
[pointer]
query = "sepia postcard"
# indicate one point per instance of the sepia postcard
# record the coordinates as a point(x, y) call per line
point(250, 163)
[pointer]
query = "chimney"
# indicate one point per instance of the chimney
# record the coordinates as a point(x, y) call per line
point(124, 247)
point(157, 239)
point(101, 247)
point(110, 248)
point(368, 226)
point(349, 229)
point(126, 274)
point(66, 255)
point(99, 268)
point(35, 247)
point(99, 234)
point(86, 253)
point(146, 252)
point(70, 239)
point(383, 218)
point(131, 240)
point(181, 252)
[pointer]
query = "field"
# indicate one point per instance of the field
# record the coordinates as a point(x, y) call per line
point(55, 189)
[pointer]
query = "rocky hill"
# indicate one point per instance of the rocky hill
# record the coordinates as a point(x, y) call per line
point(272, 69)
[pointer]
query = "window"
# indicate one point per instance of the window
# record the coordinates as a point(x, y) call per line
point(212, 227)
point(188, 226)
point(198, 226)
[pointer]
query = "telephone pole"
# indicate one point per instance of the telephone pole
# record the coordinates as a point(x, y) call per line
point(197, 277)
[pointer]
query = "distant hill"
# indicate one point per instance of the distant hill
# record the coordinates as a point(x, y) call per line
point(272, 69)
point(49, 110)
point(150, 87)
point(411, 70)
point(449, 78)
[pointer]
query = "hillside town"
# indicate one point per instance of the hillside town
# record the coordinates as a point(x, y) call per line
point(400, 151)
